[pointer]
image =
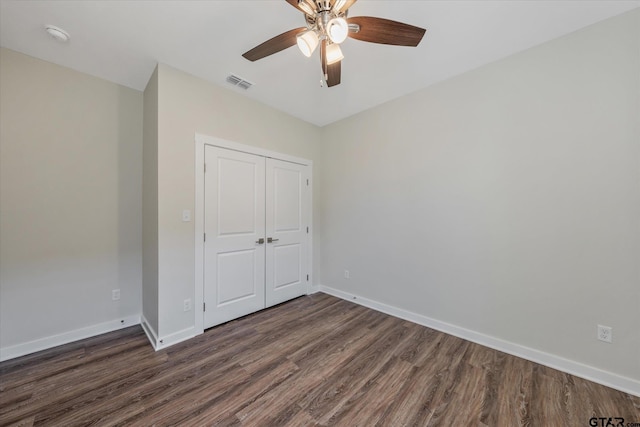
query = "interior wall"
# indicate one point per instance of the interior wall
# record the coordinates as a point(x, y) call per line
point(150, 205)
point(505, 201)
point(70, 200)
point(186, 105)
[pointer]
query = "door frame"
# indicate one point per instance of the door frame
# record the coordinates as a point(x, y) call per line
point(198, 217)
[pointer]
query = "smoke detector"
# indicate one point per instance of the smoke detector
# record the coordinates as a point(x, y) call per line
point(57, 33)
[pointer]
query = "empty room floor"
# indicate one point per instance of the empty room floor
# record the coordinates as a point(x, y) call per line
point(316, 360)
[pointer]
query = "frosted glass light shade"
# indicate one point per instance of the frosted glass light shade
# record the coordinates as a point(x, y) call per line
point(307, 42)
point(338, 5)
point(338, 29)
point(334, 54)
point(306, 8)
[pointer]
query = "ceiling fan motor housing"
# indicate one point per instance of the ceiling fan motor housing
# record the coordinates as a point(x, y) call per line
point(323, 5)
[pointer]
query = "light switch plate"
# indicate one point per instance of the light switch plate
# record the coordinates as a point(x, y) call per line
point(186, 215)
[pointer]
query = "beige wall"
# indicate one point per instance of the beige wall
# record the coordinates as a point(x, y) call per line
point(187, 105)
point(150, 204)
point(70, 200)
point(505, 201)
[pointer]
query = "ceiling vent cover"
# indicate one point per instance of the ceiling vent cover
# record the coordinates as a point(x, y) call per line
point(239, 81)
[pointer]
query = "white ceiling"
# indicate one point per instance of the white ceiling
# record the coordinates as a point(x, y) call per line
point(122, 41)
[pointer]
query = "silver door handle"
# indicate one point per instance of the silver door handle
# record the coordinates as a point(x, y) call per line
point(260, 241)
point(271, 240)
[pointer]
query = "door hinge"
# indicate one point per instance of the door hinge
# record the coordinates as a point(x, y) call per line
point(307, 230)
point(307, 277)
point(204, 306)
point(205, 168)
point(204, 236)
point(307, 183)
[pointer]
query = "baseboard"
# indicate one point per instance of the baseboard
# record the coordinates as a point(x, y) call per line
point(158, 343)
point(7, 353)
point(590, 373)
point(175, 338)
point(313, 289)
point(149, 332)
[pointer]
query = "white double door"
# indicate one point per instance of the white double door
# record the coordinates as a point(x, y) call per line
point(256, 233)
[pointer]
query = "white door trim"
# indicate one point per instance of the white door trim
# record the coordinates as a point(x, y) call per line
point(200, 142)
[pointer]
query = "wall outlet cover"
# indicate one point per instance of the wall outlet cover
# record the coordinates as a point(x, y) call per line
point(605, 333)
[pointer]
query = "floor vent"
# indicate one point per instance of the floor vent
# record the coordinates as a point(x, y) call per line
point(239, 81)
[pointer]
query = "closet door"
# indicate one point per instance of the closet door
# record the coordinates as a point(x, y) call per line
point(287, 219)
point(234, 224)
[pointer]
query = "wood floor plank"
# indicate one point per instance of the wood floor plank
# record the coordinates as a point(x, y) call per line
point(462, 397)
point(210, 411)
point(371, 406)
point(412, 404)
point(316, 364)
point(313, 361)
point(356, 373)
point(289, 339)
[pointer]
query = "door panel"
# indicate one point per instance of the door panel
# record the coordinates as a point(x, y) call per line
point(286, 271)
point(286, 224)
point(287, 203)
point(234, 269)
point(236, 276)
point(237, 195)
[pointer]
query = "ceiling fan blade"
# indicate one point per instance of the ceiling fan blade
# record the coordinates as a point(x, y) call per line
point(274, 45)
point(333, 74)
point(386, 31)
point(330, 72)
point(323, 57)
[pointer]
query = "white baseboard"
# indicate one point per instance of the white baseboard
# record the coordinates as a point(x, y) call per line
point(313, 289)
point(151, 334)
point(167, 340)
point(175, 338)
point(7, 353)
point(578, 369)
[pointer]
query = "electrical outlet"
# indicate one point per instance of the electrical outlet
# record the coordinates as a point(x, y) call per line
point(346, 274)
point(187, 304)
point(605, 333)
point(115, 294)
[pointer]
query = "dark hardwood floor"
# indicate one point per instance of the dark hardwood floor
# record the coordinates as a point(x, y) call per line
point(316, 360)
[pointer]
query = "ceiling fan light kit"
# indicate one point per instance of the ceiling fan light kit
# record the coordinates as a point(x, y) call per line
point(338, 29)
point(307, 42)
point(334, 54)
point(327, 25)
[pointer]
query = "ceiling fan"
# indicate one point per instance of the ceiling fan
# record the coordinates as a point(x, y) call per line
point(328, 26)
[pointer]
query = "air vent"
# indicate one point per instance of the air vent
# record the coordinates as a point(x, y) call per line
point(239, 81)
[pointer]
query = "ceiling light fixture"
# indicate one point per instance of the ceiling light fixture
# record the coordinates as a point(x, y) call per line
point(307, 42)
point(334, 54)
point(326, 24)
point(57, 33)
point(338, 29)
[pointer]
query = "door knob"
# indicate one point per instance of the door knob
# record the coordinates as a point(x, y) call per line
point(271, 240)
point(260, 241)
